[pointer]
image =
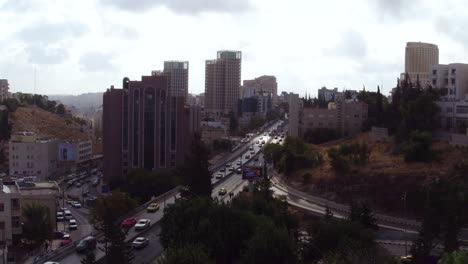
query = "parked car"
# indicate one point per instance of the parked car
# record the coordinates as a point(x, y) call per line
point(219, 176)
point(152, 207)
point(239, 171)
point(222, 191)
point(129, 222)
point(222, 170)
point(228, 165)
point(66, 239)
point(72, 225)
point(76, 205)
point(85, 245)
point(140, 242)
point(142, 224)
point(60, 216)
point(70, 201)
point(247, 156)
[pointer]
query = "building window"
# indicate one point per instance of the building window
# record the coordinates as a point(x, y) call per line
point(2, 225)
point(15, 204)
point(454, 71)
point(449, 109)
point(2, 207)
point(434, 72)
point(15, 222)
point(453, 81)
point(434, 82)
point(462, 109)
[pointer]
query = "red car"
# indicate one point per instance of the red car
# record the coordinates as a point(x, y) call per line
point(129, 222)
point(66, 239)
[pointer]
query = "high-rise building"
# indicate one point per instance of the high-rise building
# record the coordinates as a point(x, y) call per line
point(222, 82)
point(263, 85)
point(419, 58)
point(177, 71)
point(144, 127)
point(4, 87)
point(293, 116)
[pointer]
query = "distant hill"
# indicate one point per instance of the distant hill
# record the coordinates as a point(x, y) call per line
point(47, 124)
point(86, 104)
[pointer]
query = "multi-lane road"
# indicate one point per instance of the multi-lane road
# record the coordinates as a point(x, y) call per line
point(230, 180)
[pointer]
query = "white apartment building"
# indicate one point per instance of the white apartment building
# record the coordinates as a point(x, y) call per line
point(4, 89)
point(453, 79)
point(32, 156)
point(10, 212)
point(265, 85)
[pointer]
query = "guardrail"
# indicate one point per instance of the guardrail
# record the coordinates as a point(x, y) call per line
point(65, 250)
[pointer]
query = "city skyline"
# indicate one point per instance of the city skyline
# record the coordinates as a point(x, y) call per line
point(85, 46)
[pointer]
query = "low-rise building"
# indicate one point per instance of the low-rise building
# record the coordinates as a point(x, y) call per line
point(346, 117)
point(32, 156)
point(213, 130)
point(10, 212)
point(4, 89)
point(327, 95)
point(74, 155)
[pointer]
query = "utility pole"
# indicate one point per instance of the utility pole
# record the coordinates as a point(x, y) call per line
point(406, 238)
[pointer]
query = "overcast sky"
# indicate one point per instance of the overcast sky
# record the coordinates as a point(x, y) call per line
point(88, 45)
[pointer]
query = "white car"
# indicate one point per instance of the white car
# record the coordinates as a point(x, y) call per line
point(140, 242)
point(72, 225)
point(68, 215)
point(142, 224)
point(76, 205)
point(60, 216)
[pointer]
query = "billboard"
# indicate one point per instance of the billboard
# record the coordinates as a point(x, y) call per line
point(251, 172)
point(67, 152)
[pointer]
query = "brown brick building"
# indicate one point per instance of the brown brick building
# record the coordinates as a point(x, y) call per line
point(144, 127)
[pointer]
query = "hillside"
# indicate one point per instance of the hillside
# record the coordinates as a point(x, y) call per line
point(382, 180)
point(48, 124)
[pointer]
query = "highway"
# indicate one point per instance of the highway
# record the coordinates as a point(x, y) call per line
point(231, 181)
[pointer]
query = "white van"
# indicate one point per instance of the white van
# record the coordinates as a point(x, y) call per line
point(68, 215)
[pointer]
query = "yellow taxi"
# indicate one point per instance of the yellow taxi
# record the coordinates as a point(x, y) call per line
point(152, 207)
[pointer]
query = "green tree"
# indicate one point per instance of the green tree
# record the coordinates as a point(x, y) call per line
point(270, 244)
point(456, 257)
point(118, 202)
point(142, 184)
point(320, 135)
point(419, 147)
point(196, 173)
point(36, 226)
point(60, 109)
point(116, 250)
point(187, 254)
point(360, 212)
point(379, 107)
point(90, 258)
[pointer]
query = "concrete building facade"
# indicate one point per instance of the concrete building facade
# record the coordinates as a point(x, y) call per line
point(264, 85)
point(178, 72)
point(222, 82)
point(419, 58)
point(10, 212)
point(346, 117)
point(32, 156)
point(74, 155)
point(293, 116)
point(452, 77)
point(4, 89)
point(327, 95)
point(144, 127)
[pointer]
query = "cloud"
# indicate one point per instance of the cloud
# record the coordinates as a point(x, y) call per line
point(19, 5)
point(46, 55)
point(453, 26)
point(396, 8)
point(352, 45)
point(46, 33)
point(95, 61)
point(182, 6)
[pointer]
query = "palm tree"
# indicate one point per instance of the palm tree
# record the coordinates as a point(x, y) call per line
point(36, 227)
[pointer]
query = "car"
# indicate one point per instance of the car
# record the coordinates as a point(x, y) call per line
point(239, 171)
point(257, 142)
point(85, 245)
point(222, 170)
point(152, 207)
point(68, 215)
point(59, 234)
point(78, 184)
point(76, 205)
point(252, 152)
point(140, 242)
point(251, 148)
point(60, 216)
point(219, 176)
point(256, 158)
point(129, 222)
point(66, 239)
point(228, 165)
point(263, 142)
point(142, 224)
point(239, 162)
point(72, 225)
point(247, 156)
point(231, 169)
point(222, 191)
point(276, 137)
point(70, 201)
point(95, 183)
